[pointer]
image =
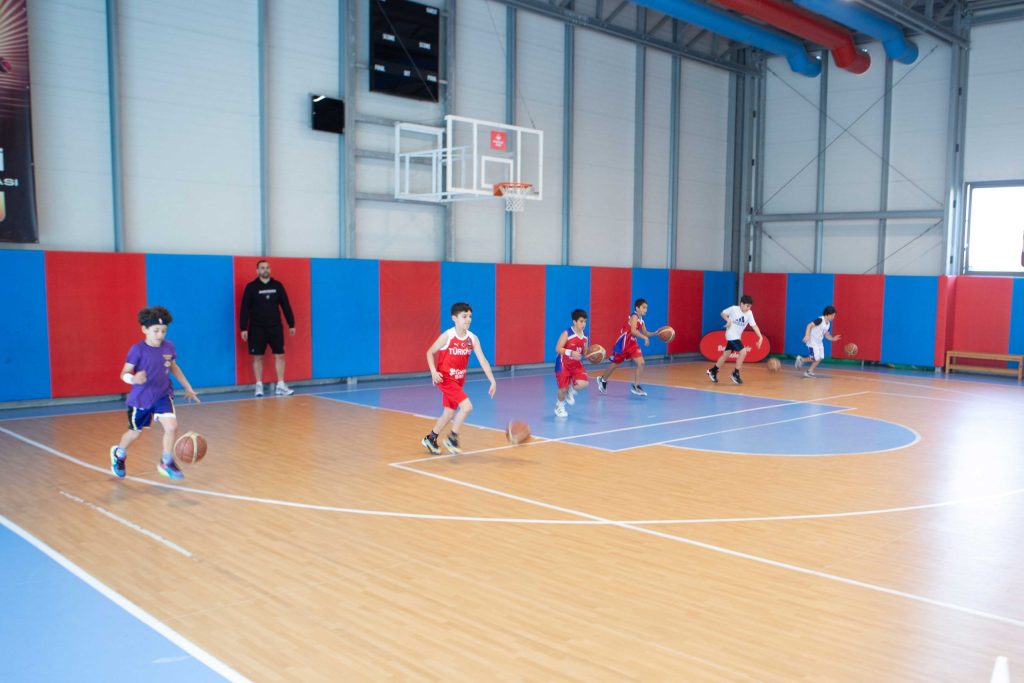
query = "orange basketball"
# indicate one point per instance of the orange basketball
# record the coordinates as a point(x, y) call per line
point(666, 333)
point(596, 354)
point(851, 349)
point(190, 448)
point(517, 432)
point(774, 364)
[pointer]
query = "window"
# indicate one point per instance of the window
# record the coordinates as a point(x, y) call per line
point(995, 227)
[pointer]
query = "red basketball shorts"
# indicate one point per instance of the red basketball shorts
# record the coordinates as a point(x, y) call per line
point(452, 393)
point(572, 375)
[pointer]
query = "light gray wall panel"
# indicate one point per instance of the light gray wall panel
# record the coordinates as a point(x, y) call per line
point(703, 156)
point(303, 165)
point(917, 174)
point(853, 159)
point(602, 175)
point(995, 104)
point(914, 248)
point(657, 110)
point(388, 230)
point(71, 125)
point(190, 127)
point(850, 247)
point(540, 53)
point(791, 140)
point(789, 249)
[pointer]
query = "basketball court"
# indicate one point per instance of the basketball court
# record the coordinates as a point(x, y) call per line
point(857, 526)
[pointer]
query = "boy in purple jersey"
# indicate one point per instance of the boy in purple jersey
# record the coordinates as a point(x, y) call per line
point(148, 370)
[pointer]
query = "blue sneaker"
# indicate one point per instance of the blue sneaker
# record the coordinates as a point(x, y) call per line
point(170, 470)
point(116, 463)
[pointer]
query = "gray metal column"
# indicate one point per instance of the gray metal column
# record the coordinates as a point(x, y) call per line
point(347, 23)
point(673, 161)
point(883, 195)
point(760, 126)
point(447, 107)
point(639, 104)
point(510, 112)
point(263, 123)
point(819, 195)
point(114, 105)
point(953, 246)
point(567, 130)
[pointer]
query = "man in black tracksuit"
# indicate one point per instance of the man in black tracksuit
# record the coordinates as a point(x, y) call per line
point(260, 322)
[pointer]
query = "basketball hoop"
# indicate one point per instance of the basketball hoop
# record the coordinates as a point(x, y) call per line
point(514, 194)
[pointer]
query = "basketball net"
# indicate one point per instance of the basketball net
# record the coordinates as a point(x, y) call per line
point(514, 194)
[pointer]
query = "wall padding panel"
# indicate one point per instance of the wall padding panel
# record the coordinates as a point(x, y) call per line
point(610, 304)
point(652, 284)
point(198, 292)
point(410, 292)
point(335, 321)
point(908, 325)
point(719, 294)
point(806, 295)
point(685, 294)
point(859, 303)
point(981, 315)
point(519, 328)
point(769, 292)
point(92, 301)
point(24, 342)
point(472, 283)
point(568, 288)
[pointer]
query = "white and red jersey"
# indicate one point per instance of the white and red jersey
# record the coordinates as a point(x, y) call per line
point(453, 356)
point(573, 342)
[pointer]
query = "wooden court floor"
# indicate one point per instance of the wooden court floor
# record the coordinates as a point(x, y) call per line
point(321, 546)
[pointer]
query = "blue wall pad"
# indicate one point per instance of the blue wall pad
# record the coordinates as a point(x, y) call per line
point(807, 294)
point(473, 283)
point(24, 344)
point(345, 304)
point(719, 294)
point(652, 284)
point(908, 323)
point(568, 288)
point(1017, 318)
point(199, 293)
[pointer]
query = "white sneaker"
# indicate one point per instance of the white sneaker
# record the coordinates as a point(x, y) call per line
point(259, 389)
point(570, 396)
point(809, 374)
point(283, 389)
point(560, 410)
point(799, 362)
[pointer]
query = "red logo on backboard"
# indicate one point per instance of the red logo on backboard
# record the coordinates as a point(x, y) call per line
point(499, 139)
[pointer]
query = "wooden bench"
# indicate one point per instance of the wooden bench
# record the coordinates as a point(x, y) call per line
point(978, 355)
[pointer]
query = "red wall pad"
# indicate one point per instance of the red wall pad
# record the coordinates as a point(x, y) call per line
point(944, 318)
point(92, 303)
point(769, 292)
point(519, 323)
point(610, 305)
point(859, 304)
point(981, 315)
point(685, 301)
point(293, 273)
point(410, 314)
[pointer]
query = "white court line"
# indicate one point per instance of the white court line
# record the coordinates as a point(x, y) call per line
point(733, 553)
point(131, 525)
point(1000, 671)
point(127, 605)
point(503, 520)
point(745, 427)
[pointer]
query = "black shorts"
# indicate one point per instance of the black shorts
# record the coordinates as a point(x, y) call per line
point(259, 337)
point(734, 344)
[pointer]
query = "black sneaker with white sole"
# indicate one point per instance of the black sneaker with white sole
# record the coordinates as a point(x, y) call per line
point(736, 377)
point(713, 374)
point(637, 389)
point(451, 442)
point(430, 443)
point(602, 384)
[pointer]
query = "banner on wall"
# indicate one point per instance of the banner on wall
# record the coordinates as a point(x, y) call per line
point(17, 191)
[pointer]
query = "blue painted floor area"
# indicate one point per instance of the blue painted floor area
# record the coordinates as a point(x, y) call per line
point(676, 416)
point(55, 627)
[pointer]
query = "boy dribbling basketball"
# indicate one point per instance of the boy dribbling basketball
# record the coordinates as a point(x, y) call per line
point(569, 371)
point(626, 347)
point(814, 335)
point(737, 318)
point(452, 350)
point(148, 368)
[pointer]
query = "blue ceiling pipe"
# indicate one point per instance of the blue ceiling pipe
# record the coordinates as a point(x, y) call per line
point(739, 30)
point(897, 47)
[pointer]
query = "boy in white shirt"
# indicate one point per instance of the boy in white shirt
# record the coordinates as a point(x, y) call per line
point(736, 320)
point(815, 334)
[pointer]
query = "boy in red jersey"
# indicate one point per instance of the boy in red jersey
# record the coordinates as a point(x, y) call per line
point(452, 349)
point(626, 347)
point(569, 372)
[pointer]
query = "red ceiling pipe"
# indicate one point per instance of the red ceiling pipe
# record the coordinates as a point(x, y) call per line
point(807, 25)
